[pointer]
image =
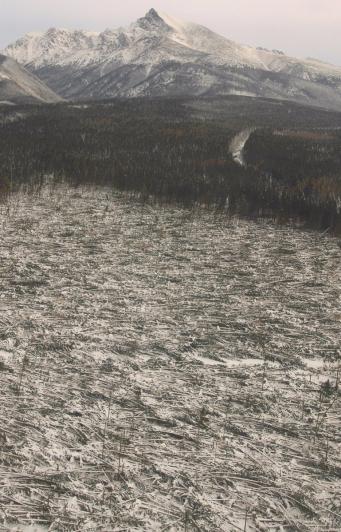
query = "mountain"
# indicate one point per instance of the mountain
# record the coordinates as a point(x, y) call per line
point(159, 55)
point(18, 86)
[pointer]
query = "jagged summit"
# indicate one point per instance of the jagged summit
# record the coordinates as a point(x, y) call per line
point(152, 14)
point(152, 20)
point(161, 55)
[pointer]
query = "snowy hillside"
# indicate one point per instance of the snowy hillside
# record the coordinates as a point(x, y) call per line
point(194, 399)
point(158, 55)
point(17, 85)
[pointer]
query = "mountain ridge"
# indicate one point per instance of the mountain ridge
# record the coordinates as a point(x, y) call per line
point(159, 54)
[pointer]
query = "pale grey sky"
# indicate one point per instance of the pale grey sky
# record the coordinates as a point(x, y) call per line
point(299, 27)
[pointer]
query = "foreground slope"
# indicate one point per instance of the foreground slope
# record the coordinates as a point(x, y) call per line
point(162, 369)
point(18, 86)
point(159, 55)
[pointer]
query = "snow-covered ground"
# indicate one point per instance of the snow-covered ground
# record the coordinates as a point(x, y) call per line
point(161, 369)
point(237, 145)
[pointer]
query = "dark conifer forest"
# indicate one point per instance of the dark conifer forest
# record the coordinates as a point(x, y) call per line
point(177, 150)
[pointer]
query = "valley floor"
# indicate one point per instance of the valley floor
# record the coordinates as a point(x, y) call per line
point(164, 369)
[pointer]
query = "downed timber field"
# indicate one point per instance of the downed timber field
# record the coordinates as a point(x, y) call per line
point(165, 369)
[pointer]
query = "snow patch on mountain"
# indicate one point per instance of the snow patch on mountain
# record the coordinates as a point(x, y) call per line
point(237, 145)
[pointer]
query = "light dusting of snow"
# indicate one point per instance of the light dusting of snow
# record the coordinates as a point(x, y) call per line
point(166, 369)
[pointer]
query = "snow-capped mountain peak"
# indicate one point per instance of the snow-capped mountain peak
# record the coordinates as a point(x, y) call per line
point(159, 54)
point(163, 19)
point(153, 18)
point(63, 46)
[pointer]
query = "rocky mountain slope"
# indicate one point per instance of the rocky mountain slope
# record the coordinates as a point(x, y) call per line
point(18, 86)
point(159, 55)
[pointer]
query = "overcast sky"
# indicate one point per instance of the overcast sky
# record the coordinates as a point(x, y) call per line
point(299, 27)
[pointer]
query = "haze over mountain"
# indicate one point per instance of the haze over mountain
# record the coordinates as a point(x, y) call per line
point(18, 86)
point(158, 55)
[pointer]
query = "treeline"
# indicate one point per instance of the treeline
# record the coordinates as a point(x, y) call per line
point(153, 150)
point(178, 150)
